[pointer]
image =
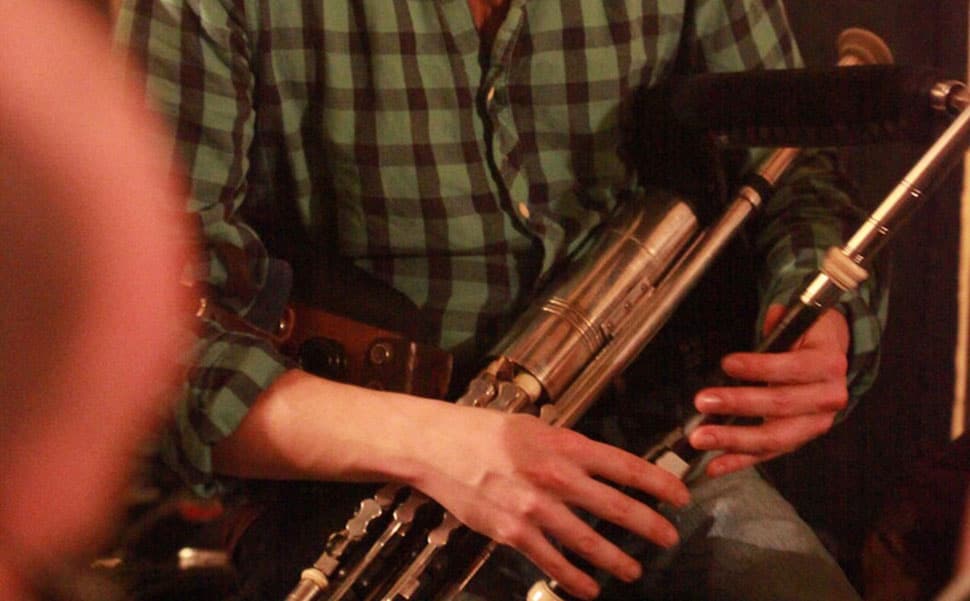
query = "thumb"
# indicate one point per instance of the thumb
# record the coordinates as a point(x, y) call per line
point(772, 316)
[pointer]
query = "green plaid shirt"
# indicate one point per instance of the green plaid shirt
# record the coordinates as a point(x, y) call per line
point(377, 130)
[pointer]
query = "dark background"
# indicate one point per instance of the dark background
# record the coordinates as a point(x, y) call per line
point(840, 483)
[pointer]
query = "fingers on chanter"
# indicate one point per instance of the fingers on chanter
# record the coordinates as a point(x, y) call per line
point(771, 437)
point(548, 558)
point(800, 366)
point(773, 401)
point(735, 462)
point(628, 470)
point(614, 506)
point(585, 542)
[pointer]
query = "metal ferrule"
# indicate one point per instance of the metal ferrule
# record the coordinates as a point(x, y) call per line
point(821, 292)
point(306, 590)
point(911, 190)
point(776, 165)
point(949, 96)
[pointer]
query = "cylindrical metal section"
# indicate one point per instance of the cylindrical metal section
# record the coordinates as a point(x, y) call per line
point(958, 98)
point(650, 316)
point(559, 336)
point(306, 590)
point(949, 96)
point(911, 190)
point(776, 164)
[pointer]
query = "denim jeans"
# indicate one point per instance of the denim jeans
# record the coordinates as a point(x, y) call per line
point(740, 541)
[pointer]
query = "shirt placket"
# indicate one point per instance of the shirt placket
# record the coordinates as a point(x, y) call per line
point(495, 95)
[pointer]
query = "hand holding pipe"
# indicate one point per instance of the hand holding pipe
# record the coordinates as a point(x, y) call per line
point(843, 270)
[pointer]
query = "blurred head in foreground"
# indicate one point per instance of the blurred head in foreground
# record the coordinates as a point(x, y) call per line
point(91, 245)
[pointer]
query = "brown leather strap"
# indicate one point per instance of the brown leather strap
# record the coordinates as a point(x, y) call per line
point(230, 320)
point(374, 357)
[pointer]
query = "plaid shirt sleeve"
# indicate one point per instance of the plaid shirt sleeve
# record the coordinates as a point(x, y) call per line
point(198, 74)
point(811, 212)
point(814, 207)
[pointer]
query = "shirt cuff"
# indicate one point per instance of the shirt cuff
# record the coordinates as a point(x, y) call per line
point(230, 370)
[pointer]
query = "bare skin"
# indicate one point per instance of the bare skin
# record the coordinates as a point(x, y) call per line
point(804, 390)
point(90, 304)
point(520, 491)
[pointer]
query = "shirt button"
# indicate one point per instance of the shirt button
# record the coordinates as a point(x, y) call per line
point(523, 210)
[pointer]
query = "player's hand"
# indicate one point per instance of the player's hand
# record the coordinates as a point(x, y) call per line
point(798, 393)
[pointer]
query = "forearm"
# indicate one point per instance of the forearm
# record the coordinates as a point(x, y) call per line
point(306, 427)
point(510, 477)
